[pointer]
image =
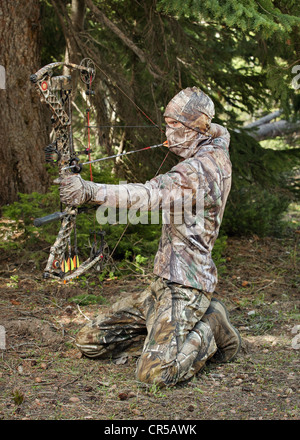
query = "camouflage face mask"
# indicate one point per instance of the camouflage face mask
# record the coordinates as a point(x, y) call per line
point(184, 141)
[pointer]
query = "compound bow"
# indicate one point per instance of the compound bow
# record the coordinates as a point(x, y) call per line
point(56, 92)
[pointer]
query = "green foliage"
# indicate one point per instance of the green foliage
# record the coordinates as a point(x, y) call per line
point(249, 15)
point(86, 299)
point(259, 211)
point(254, 164)
point(263, 187)
point(32, 205)
point(218, 253)
point(14, 281)
point(53, 41)
point(24, 211)
point(17, 396)
point(138, 240)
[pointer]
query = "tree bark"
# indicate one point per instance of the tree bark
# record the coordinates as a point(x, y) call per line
point(23, 133)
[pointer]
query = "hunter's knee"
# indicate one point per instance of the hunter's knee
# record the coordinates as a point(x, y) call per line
point(151, 370)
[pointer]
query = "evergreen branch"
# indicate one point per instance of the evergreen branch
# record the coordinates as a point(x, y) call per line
point(124, 38)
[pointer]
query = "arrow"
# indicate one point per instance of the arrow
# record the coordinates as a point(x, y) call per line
point(78, 166)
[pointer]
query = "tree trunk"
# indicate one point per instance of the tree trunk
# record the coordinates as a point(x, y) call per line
point(72, 54)
point(23, 133)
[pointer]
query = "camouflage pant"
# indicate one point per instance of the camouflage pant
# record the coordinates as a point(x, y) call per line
point(163, 325)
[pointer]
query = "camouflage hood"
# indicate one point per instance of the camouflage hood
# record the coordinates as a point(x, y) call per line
point(188, 107)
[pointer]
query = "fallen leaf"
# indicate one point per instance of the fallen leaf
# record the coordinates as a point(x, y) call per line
point(121, 360)
point(104, 384)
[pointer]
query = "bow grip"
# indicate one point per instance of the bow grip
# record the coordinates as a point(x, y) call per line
point(49, 218)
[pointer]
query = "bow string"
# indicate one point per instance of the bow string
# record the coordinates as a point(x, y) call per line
point(56, 92)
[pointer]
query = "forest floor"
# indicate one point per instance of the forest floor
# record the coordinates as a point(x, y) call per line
point(44, 377)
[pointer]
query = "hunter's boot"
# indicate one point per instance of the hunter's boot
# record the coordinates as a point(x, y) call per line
point(227, 337)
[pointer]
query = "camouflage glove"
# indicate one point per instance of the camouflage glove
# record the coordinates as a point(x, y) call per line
point(75, 191)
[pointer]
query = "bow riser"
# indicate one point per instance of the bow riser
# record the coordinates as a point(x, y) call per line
point(61, 126)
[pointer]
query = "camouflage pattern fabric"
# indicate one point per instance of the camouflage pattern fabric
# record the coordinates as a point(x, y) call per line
point(192, 195)
point(187, 106)
point(184, 253)
point(162, 325)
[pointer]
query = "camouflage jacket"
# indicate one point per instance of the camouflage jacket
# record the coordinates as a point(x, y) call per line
point(202, 184)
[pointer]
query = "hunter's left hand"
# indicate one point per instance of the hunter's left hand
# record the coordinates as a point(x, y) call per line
point(75, 191)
